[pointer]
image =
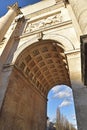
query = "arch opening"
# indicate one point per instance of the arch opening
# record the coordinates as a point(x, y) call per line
point(60, 108)
point(36, 70)
point(44, 65)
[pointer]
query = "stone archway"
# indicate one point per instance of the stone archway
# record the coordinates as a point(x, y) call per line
point(44, 60)
point(36, 70)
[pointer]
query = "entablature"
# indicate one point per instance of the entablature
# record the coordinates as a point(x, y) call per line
point(47, 21)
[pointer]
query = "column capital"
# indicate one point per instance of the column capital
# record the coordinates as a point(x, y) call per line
point(15, 8)
point(7, 19)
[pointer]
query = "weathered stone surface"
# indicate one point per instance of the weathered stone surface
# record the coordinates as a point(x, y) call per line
point(80, 11)
point(23, 107)
point(80, 97)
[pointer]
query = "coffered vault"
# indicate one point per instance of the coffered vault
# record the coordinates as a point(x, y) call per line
point(44, 64)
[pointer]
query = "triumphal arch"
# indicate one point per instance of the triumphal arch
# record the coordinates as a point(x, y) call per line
point(40, 48)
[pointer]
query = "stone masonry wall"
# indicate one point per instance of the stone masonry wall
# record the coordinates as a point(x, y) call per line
point(22, 108)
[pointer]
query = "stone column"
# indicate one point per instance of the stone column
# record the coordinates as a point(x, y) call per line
point(7, 19)
point(80, 9)
point(80, 100)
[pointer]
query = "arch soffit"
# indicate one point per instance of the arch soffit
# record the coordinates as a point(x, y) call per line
point(44, 64)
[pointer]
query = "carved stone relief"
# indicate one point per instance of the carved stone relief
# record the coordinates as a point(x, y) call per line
point(46, 22)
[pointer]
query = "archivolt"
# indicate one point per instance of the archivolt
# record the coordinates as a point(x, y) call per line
point(65, 42)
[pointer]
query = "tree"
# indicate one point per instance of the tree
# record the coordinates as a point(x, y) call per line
point(62, 123)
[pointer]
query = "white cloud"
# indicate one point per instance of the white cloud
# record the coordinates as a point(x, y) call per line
point(62, 92)
point(56, 89)
point(65, 103)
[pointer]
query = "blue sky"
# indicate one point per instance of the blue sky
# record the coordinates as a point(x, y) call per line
point(4, 4)
point(61, 96)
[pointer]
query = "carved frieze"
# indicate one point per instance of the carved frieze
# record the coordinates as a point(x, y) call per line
point(43, 23)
